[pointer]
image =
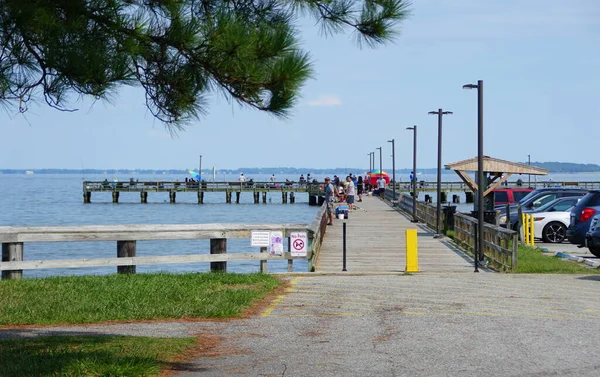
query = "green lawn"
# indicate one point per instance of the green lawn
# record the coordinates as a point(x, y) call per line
point(87, 356)
point(120, 297)
point(533, 261)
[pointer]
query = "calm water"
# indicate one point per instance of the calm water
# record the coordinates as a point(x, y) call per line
point(57, 200)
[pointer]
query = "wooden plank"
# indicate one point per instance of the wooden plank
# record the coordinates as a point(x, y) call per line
point(108, 262)
point(11, 234)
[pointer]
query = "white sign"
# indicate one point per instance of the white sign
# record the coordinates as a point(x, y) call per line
point(299, 242)
point(276, 244)
point(260, 238)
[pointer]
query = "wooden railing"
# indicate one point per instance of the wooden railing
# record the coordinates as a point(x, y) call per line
point(500, 244)
point(317, 228)
point(14, 238)
point(459, 186)
point(158, 186)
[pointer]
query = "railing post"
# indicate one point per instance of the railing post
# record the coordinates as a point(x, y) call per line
point(126, 249)
point(12, 252)
point(515, 248)
point(290, 262)
point(218, 246)
point(263, 263)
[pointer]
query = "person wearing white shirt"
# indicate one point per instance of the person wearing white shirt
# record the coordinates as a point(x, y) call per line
point(350, 192)
point(381, 187)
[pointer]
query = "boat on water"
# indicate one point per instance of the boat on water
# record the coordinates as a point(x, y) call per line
point(29, 172)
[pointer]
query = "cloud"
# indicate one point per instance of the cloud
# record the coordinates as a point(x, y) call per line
point(325, 101)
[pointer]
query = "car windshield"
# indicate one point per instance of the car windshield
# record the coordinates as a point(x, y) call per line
point(528, 196)
point(550, 204)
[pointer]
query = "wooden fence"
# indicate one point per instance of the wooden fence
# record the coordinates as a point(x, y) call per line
point(500, 244)
point(14, 238)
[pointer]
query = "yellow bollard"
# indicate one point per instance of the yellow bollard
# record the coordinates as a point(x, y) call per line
point(412, 257)
point(528, 229)
point(531, 231)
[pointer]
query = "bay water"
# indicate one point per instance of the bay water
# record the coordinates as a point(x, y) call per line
point(57, 200)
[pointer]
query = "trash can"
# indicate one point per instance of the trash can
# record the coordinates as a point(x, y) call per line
point(449, 212)
point(488, 216)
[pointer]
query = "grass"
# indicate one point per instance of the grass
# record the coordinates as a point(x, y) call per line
point(119, 297)
point(532, 261)
point(89, 355)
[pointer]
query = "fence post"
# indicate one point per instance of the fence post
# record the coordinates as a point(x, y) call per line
point(263, 263)
point(126, 249)
point(12, 252)
point(515, 248)
point(218, 246)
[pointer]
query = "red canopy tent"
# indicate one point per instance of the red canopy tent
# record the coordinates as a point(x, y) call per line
point(374, 177)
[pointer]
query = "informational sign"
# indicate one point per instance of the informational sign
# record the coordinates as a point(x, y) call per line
point(276, 243)
point(299, 243)
point(260, 238)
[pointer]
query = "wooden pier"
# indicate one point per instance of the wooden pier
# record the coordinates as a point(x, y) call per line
point(257, 189)
point(287, 190)
point(375, 242)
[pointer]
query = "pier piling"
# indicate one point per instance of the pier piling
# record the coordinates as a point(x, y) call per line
point(115, 197)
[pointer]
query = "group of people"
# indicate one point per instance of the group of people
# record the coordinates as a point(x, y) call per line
point(346, 191)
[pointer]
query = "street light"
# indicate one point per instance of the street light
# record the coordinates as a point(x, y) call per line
point(439, 113)
point(414, 174)
point(393, 171)
point(480, 177)
point(370, 154)
point(529, 163)
point(380, 168)
point(200, 169)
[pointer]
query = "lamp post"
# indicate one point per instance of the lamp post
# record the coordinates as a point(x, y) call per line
point(200, 169)
point(414, 174)
point(480, 177)
point(529, 163)
point(370, 154)
point(380, 168)
point(440, 113)
point(393, 172)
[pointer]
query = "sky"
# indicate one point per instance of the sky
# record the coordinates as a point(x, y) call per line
point(539, 60)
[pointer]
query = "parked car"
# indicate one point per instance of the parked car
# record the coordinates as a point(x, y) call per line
point(510, 195)
point(550, 224)
point(552, 217)
point(541, 196)
point(592, 237)
point(581, 217)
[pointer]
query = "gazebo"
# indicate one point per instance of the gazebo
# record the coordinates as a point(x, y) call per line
point(495, 170)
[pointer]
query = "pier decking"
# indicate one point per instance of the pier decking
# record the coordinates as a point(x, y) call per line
point(375, 242)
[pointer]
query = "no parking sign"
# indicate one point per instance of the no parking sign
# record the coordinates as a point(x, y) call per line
point(299, 243)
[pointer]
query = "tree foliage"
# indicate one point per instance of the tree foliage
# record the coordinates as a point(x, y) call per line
point(178, 51)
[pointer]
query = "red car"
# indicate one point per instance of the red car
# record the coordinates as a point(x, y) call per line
point(510, 195)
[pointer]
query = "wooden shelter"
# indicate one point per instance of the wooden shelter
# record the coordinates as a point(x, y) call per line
point(495, 170)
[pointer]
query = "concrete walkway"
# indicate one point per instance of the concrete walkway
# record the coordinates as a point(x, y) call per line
point(375, 242)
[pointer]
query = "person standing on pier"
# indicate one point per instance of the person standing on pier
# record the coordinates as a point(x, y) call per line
point(381, 187)
point(350, 192)
point(360, 186)
point(329, 199)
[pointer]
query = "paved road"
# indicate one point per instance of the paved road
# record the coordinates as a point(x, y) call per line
point(400, 325)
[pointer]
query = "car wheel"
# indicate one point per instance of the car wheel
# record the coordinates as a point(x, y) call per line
point(595, 250)
point(554, 232)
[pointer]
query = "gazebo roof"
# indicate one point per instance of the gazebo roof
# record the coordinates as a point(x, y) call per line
point(496, 165)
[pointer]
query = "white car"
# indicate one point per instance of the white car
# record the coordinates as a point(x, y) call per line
point(552, 220)
point(551, 226)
